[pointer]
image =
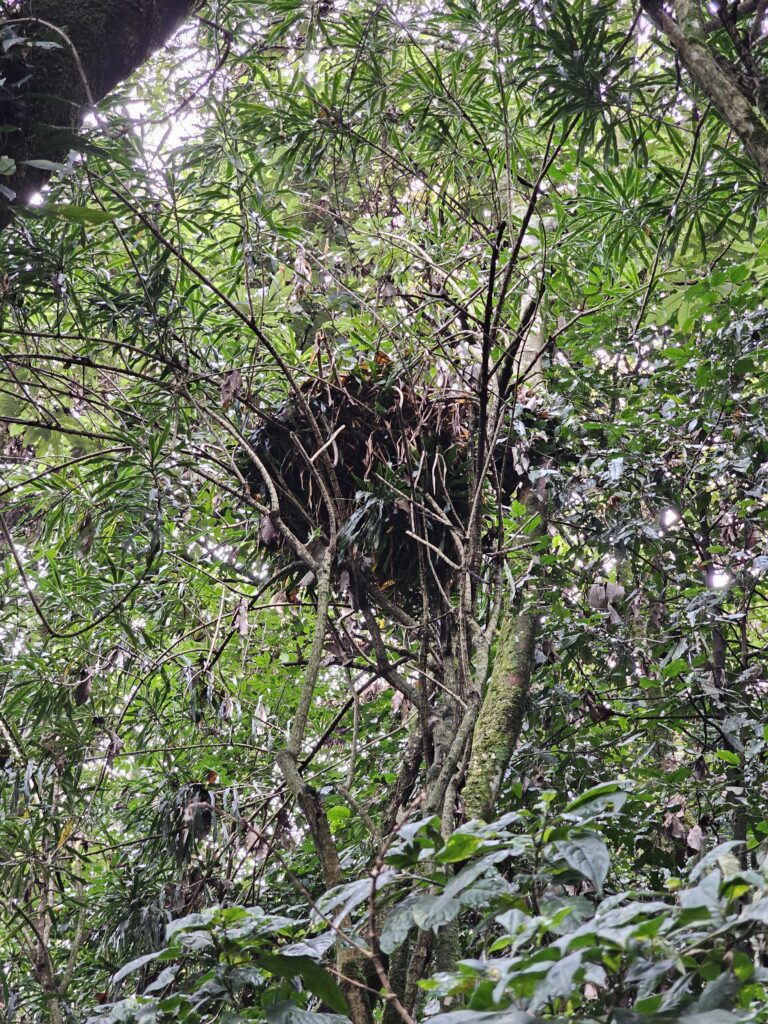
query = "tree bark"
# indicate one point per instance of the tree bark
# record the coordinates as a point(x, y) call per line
point(501, 716)
point(98, 43)
point(501, 713)
point(716, 82)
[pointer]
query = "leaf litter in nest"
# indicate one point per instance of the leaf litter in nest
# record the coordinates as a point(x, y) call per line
point(396, 462)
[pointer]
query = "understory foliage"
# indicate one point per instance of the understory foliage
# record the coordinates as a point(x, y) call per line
point(383, 526)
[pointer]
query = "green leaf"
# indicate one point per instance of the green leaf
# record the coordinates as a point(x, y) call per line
point(47, 165)
point(136, 965)
point(713, 857)
point(340, 900)
point(397, 923)
point(757, 911)
point(460, 846)
point(482, 1017)
point(719, 993)
point(338, 815)
point(73, 214)
point(587, 855)
point(315, 977)
point(289, 1013)
point(744, 366)
point(608, 797)
point(558, 981)
point(675, 668)
point(710, 1017)
point(475, 885)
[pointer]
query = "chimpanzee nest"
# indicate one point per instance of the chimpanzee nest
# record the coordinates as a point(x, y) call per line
point(403, 466)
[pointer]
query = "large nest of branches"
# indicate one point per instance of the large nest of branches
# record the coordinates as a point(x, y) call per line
point(392, 467)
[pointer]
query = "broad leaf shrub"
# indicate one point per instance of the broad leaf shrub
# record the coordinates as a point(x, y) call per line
point(549, 929)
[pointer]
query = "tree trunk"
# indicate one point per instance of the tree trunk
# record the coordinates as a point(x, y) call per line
point(98, 43)
point(350, 961)
point(501, 717)
point(716, 81)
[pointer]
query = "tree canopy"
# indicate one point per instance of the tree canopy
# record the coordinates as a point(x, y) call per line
point(383, 512)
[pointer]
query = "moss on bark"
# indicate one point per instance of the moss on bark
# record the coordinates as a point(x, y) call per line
point(501, 715)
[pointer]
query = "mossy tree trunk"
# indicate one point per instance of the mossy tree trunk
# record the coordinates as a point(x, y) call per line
point(98, 43)
point(501, 713)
